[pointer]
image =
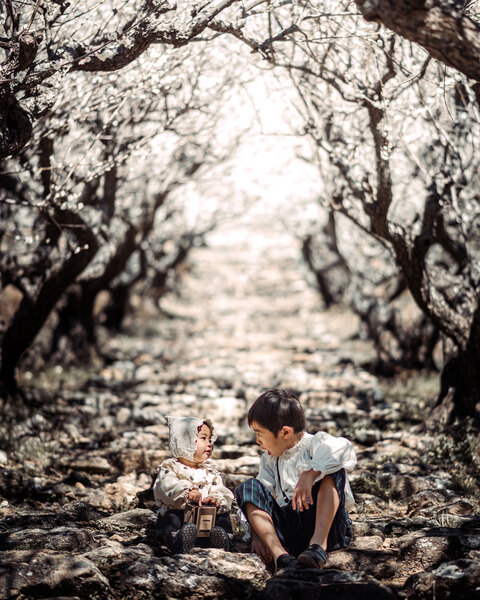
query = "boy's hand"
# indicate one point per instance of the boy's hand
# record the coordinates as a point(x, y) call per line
point(302, 495)
point(210, 500)
point(195, 496)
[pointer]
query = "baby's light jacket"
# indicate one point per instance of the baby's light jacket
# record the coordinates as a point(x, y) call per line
point(175, 479)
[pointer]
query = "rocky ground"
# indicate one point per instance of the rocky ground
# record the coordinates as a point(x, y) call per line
point(77, 516)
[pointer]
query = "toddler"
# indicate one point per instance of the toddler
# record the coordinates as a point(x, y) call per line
point(297, 505)
point(191, 477)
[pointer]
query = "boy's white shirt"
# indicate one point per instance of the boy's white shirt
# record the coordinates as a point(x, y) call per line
point(175, 479)
point(321, 452)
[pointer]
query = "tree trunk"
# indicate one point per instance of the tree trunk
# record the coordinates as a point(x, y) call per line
point(321, 281)
point(79, 309)
point(442, 28)
point(32, 313)
point(117, 308)
point(74, 322)
point(459, 395)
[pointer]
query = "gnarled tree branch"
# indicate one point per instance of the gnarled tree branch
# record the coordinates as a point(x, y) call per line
point(439, 26)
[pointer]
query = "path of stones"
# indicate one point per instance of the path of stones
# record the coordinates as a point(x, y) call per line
point(77, 515)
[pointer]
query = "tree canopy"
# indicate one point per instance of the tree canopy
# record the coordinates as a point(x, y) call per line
point(108, 109)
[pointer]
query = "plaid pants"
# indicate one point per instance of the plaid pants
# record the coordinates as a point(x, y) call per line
point(295, 528)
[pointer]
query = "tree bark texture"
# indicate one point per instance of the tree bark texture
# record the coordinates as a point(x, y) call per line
point(439, 26)
point(32, 313)
point(155, 22)
point(80, 305)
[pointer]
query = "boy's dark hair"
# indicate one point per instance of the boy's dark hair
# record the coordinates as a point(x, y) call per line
point(275, 408)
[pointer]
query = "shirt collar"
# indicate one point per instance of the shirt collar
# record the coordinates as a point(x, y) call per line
point(299, 446)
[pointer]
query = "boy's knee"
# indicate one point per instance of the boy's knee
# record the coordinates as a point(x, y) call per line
point(326, 486)
point(328, 480)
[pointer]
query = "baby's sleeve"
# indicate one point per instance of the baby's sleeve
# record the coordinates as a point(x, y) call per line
point(169, 489)
point(222, 494)
point(329, 454)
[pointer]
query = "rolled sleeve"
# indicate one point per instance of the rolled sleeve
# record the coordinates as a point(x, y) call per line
point(329, 454)
point(222, 494)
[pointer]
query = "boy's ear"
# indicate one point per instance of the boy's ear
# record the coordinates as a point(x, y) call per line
point(287, 432)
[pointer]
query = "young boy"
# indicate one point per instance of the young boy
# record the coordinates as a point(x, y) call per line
point(297, 505)
point(190, 476)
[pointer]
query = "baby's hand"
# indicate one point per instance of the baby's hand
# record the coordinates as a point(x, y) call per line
point(302, 495)
point(195, 496)
point(210, 500)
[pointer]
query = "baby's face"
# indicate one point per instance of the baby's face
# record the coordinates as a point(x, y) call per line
point(204, 444)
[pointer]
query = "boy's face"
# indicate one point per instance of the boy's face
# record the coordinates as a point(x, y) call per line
point(204, 444)
point(275, 444)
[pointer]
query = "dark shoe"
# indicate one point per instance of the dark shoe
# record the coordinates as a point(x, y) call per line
point(284, 561)
point(185, 539)
point(219, 538)
point(314, 557)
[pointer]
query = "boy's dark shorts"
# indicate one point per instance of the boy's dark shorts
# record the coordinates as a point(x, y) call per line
point(295, 528)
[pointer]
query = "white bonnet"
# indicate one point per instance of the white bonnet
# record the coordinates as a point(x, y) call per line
point(183, 434)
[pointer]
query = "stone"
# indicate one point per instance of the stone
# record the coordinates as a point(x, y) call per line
point(123, 415)
point(57, 538)
point(424, 499)
point(203, 573)
point(136, 520)
point(326, 584)
point(399, 527)
point(422, 550)
point(115, 556)
point(369, 503)
point(122, 494)
point(50, 574)
point(74, 477)
point(361, 528)
point(381, 564)
point(11, 483)
point(244, 465)
point(79, 512)
point(148, 415)
point(367, 542)
point(229, 409)
point(91, 497)
point(367, 436)
point(447, 513)
point(457, 580)
point(139, 459)
point(405, 486)
point(87, 463)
